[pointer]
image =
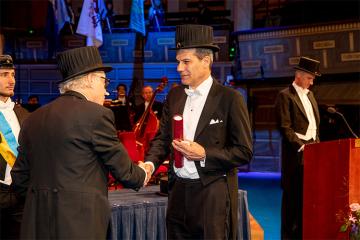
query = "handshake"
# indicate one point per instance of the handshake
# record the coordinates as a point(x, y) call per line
point(149, 170)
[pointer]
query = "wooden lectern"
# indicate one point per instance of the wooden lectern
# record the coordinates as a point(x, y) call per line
point(331, 184)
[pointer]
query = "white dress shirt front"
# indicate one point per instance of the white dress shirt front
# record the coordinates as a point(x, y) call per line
point(193, 108)
point(311, 130)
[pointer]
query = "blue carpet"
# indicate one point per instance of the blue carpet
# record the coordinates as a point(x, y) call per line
point(264, 198)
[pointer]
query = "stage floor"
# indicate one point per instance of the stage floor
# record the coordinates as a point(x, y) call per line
point(266, 210)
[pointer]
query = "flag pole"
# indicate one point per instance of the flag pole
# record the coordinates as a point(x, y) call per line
point(108, 24)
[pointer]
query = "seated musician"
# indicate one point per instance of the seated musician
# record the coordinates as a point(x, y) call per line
point(121, 107)
point(147, 93)
point(121, 99)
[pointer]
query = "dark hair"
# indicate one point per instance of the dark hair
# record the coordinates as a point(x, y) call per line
point(33, 96)
point(121, 85)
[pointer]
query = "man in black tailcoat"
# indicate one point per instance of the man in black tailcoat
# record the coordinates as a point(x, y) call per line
point(298, 120)
point(67, 148)
point(203, 194)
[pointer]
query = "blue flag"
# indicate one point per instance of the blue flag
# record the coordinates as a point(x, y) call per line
point(60, 14)
point(137, 19)
point(57, 16)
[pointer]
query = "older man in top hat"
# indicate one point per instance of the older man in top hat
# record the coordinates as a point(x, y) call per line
point(66, 150)
point(217, 139)
point(11, 118)
point(298, 119)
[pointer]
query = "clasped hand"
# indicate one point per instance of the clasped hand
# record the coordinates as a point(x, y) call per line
point(191, 150)
point(148, 170)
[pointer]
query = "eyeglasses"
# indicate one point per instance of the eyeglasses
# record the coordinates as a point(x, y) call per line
point(107, 81)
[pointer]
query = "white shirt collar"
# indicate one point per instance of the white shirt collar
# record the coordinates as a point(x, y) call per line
point(7, 105)
point(300, 90)
point(202, 89)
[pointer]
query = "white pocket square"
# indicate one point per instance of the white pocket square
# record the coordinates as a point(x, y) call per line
point(213, 121)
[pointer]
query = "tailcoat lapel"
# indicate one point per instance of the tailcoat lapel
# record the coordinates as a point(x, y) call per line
point(210, 106)
point(180, 104)
point(297, 100)
point(21, 114)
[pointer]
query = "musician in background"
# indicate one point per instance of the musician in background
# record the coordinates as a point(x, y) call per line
point(121, 107)
point(147, 93)
point(32, 104)
point(121, 95)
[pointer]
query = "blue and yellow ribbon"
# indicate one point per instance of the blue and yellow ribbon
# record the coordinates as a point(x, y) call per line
point(6, 152)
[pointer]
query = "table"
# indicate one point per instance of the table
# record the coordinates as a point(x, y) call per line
point(141, 215)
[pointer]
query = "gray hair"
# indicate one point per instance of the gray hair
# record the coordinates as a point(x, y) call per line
point(76, 83)
point(203, 52)
point(299, 72)
point(200, 53)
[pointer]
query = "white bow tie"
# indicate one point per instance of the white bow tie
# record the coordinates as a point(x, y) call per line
point(192, 92)
point(304, 91)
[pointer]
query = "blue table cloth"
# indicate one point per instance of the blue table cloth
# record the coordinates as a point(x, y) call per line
point(141, 215)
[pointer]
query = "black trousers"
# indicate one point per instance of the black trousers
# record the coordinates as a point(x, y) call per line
point(291, 209)
point(11, 209)
point(198, 212)
point(292, 196)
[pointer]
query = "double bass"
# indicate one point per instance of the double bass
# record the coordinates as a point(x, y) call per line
point(137, 141)
point(147, 126)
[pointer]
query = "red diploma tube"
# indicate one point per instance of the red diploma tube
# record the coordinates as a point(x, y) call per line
point(178, 134)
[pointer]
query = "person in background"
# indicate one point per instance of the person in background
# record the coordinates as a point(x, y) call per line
point(11, 118)
point(122, 108)
point(298, 121)
point(147, 93)
point(32, 103)
point(66, 150)
point(122, 99)
point(203, 194)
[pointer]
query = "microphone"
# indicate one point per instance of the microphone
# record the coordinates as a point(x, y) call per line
point(333, 111)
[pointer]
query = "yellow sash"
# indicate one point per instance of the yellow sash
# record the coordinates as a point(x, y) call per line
point(6, 152)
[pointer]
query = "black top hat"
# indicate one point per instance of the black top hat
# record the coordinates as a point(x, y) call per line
point(309, 65)
point(78, 61)
point(6, 62)
point(194, 36)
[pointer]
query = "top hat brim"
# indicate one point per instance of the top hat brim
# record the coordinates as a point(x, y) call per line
point(88, 70)
point(305, 70)
point(213, 47)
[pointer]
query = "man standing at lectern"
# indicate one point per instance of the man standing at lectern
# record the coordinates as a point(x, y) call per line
point(298, 120)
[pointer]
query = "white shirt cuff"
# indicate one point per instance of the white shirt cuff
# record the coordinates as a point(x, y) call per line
point(202, 162)
point(301, 148)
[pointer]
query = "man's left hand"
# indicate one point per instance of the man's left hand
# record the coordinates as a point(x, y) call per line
point(191, 150)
